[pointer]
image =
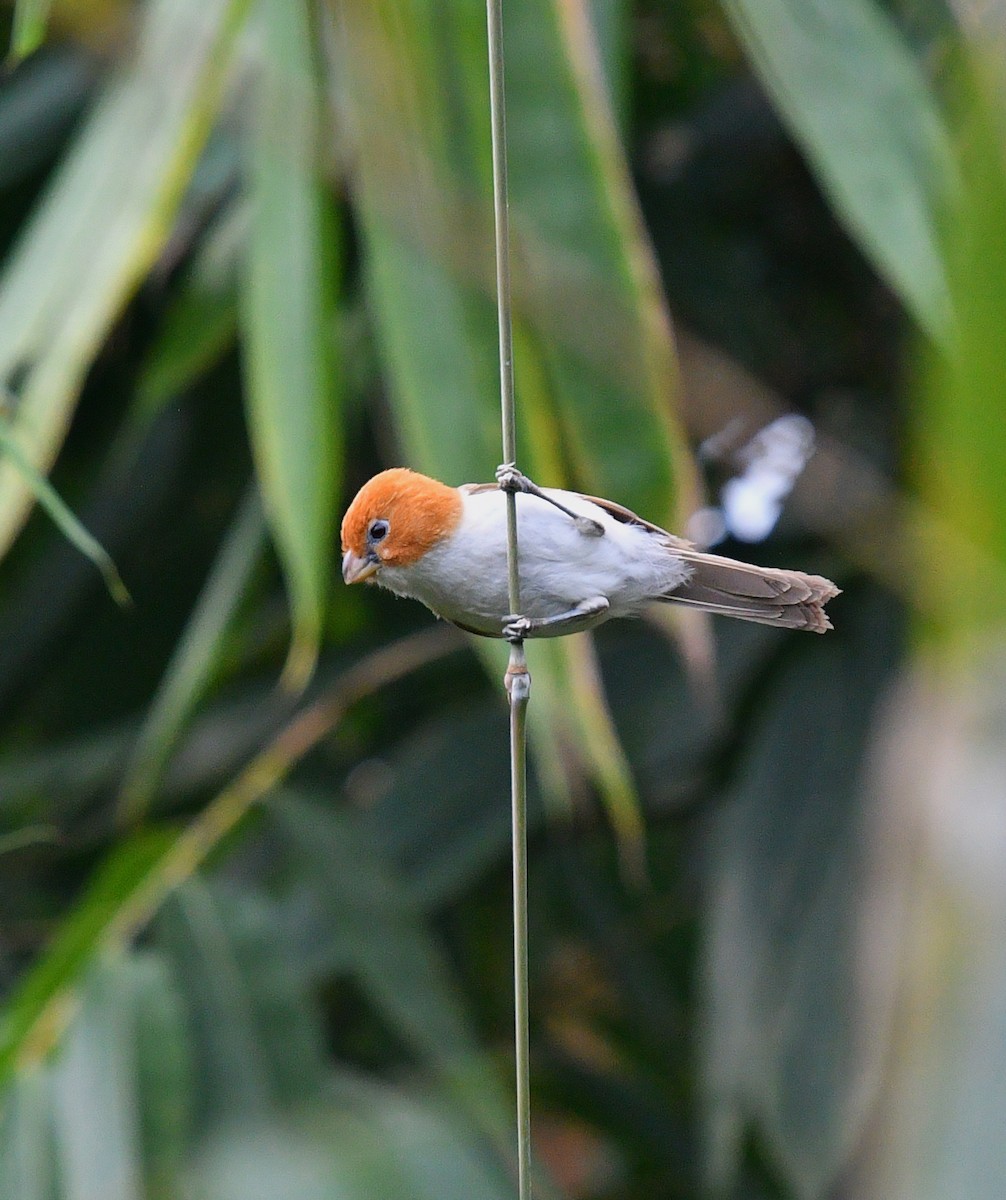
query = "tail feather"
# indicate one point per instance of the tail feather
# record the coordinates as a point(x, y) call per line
point(786, 599)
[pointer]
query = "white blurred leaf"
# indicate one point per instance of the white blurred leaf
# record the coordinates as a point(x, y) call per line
point(781, 1046)
point(935, 936)
point(96, 1100)
point(27, 1146)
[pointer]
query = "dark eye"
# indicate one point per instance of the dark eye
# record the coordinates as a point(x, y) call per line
point(378, 531)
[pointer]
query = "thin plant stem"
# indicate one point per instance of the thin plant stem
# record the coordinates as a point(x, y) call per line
point(518, 779)
point(518, 681)
point(494, 14)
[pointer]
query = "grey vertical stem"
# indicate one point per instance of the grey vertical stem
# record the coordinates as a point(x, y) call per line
point(518, 681)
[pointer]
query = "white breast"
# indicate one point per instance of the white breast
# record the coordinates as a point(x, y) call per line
point(465, 577)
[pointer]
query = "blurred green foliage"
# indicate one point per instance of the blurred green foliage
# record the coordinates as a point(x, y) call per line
point(254, 829)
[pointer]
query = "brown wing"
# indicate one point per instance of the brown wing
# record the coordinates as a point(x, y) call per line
point(767, 595)
point(628, 517)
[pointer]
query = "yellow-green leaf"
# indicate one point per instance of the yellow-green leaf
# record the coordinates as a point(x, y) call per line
point(288, 323)
point(102, 223)
point(29, 26)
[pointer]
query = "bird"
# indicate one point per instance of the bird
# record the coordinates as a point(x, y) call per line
point(582, 560)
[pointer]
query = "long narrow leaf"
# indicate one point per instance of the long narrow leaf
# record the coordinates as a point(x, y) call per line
point(96, 1105)
point(394, 955)
point(28, 30)
point(201, 322)
point(195, 658)
point(27, 1150)
point(959, 432)
point(63, 516)
point(786, 865)
point(34, 1016)
point(165, 1082)
point(288, 324)
point(847, 85)
point(102, 223)
point(229, 977)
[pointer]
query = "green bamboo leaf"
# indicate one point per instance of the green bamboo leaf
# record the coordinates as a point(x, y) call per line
point(201, 322)
point(960, 437)
point(612, 22)
point(63, 516)
point(259, 1040)
point(605, 754)
point(102, 223)
point(113, 1109)
point(585, 274)
point(939, 763)
point(29, 835)
point(401, 967)
point(31, 18)
point(165, 1071)
point(856, 101)
point(195, 659)
point(35, 1015)
point(395, 957)
point(288, 323)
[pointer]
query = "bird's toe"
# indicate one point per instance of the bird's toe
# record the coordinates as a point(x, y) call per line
point(515, 627)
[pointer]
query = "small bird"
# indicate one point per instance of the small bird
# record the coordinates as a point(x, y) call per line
point(582, 560)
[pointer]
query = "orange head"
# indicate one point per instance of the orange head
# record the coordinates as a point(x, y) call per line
point(393, 520)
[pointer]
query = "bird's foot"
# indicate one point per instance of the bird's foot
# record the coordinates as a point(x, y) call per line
point(514, 481)
point(584, 615)
point(516, 628)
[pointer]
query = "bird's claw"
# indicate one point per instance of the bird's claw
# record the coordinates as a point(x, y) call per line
point(512, 480)
point(516, 628)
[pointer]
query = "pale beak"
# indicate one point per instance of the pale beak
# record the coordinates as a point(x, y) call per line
point(356, 569)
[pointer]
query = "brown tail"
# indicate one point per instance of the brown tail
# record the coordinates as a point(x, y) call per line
point(786, 599)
